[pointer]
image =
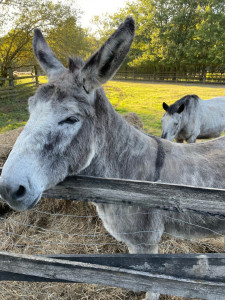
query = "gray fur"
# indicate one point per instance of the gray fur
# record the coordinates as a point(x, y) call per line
point(45, 56)
point(102, 65)
point(101, 143)
point(190, 118)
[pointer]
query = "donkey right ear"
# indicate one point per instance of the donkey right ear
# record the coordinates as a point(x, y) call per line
point(46, 58)
point(102, 65)
point(165, 106)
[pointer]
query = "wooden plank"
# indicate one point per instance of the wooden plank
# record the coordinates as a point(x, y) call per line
point(145, 193)
point(136, 279)
point(36, 75)
point(10, 71)
point(9, 276)
point(133, 192)
point(209, 267)
point(24, 77)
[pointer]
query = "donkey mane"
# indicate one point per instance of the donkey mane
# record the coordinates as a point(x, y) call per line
point(186, 100)
point(116, 154)
point(75, 63)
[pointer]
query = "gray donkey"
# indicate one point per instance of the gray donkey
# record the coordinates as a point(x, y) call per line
point(192, 118)
point(73, 129)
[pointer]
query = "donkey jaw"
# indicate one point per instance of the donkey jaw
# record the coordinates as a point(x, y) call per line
point(35, 202)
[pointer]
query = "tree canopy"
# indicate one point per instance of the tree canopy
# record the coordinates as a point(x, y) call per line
point(174, 35)
point(171, 35)
point(58, 22)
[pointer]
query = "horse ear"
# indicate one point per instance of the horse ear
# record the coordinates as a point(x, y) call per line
point(102, 65)
point(180, 109)
point(46, 58)
point(165, 106)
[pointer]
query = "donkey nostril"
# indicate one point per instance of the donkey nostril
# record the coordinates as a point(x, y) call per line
point(20, 192)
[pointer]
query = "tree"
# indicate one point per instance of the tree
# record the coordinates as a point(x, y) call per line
point(57, 21)
point(175, 35)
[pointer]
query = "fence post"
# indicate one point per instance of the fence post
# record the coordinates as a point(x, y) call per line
point(11, 83)
point(36, 75)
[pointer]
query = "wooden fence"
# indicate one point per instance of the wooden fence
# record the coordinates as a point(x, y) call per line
point(192, 275)
point(218, 78)
point(14, 87)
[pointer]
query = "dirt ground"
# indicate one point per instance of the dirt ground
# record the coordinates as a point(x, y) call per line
point(56, 227)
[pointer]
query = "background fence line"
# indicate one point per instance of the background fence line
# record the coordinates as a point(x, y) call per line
point(16, 85)
point(216, 78)
point(15, 89)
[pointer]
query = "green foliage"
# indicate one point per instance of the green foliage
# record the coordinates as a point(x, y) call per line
point(174, 35)
point(59, 23)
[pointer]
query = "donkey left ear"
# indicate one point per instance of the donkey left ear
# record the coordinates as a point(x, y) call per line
point(102, 65)
point(180, 109)
point(46, 58)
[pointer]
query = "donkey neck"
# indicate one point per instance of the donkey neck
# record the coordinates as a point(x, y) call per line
point(121, 150)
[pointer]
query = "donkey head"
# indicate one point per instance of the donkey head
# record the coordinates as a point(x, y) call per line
point(59, 138)
point(171, 121)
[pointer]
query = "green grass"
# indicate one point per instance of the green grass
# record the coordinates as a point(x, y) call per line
point(14, 111)
point(143, 98)
point(146, 98)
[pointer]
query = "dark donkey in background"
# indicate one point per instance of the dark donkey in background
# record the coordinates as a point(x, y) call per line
point(73, 129)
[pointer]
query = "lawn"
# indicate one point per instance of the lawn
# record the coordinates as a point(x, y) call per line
point(14, 112)
point(146, 98)
point(143, 98)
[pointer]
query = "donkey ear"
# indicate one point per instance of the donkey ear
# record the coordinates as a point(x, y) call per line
point(180, 109)
point(46, 58)
point(102, 65)
point(165, 106)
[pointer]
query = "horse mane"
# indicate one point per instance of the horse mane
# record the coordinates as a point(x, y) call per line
point(186, 100)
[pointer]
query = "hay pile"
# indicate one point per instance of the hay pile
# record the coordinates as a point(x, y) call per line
point(134, 119)
point(55, 227)
point(7, 140)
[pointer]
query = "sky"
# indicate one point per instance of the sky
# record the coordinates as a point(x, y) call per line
point(92, 8)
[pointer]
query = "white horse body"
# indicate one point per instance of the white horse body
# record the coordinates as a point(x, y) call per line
point(191, 117)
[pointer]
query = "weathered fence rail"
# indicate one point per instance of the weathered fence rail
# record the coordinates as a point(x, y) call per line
point(192, 275)
point(189, 276)
point(172, 77)
point(133, 192)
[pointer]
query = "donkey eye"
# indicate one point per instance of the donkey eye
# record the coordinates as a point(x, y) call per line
point(70, 120)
